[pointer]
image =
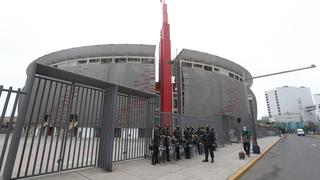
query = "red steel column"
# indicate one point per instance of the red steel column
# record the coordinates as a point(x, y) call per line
point(165, 68)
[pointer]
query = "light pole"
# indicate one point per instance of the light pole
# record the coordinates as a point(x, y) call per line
point(255, 146)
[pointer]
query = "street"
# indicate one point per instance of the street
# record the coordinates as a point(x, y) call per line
point(294, 157)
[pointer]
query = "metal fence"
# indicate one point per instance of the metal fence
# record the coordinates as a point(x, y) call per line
point(264, 131)
point(60, 128)
point(67, 121)
point(133, 127)
point(9, 99)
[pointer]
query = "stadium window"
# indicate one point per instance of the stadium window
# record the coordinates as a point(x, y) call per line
point(186, 64)
point(208, 68)
point(237, 77)
point(95, 60)
point(216, 69)
point(133, 59)
point(231, 75)
point(55, 66)
point(147, 60)
point(197, 65)
point(120, 60)
point(84, 61)
point(106, 60)
point(241, 79)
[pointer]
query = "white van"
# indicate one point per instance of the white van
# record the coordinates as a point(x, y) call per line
point(300, 132)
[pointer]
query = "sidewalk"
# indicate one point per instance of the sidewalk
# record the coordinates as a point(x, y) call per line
point(226, 163)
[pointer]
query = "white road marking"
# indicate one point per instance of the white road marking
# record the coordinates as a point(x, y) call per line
point(314, 145)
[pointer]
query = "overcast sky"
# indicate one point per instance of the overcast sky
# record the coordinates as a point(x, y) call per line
point(263, 36)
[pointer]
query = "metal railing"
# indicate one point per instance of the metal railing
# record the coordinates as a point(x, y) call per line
point(9, 99)
point(267, 131)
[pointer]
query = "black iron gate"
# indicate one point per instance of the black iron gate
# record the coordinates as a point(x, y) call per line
point(65, 119)
point(60, 128)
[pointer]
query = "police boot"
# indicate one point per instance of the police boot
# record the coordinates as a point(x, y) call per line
point(212, 161)
point(206, 160)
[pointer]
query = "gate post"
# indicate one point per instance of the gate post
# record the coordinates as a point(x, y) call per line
point(12, 153)
point(107, 128)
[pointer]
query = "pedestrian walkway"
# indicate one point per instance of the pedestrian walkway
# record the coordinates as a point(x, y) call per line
point(226, 163)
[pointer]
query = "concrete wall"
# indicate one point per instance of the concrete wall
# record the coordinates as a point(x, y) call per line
point(134, 75)
point(209, 93)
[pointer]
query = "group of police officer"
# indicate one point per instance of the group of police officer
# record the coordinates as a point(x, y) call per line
point(186, 138)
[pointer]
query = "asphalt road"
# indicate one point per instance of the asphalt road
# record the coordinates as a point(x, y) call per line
point(293, 158)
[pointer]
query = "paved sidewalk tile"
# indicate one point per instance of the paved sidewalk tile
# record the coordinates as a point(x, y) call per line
point(226, 163)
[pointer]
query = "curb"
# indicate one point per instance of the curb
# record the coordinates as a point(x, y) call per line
point(237, 175)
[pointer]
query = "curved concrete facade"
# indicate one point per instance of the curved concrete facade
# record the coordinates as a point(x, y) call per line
point(130, 65)
point(210, 86)
point(213, 86)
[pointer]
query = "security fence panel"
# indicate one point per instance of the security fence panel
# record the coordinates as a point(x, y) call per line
point(59, 129)
point(67, 121)
point(9, 100)
point(133, 127)
point(264, 131)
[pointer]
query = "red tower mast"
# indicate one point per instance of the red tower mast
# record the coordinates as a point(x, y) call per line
point(165, 67)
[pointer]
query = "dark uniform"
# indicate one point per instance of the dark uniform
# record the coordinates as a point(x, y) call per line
point(197, 140)
point(155, 144)
point(187, 136)
point(246, 141)
point(166, 141)
point(208, 139)
point(177, 140)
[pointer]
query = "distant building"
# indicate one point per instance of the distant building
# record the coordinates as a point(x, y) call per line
point(287, 104)
point(316, 98)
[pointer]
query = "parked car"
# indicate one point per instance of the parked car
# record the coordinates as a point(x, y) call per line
point(300, 132)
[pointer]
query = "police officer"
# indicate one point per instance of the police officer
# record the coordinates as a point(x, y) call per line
point(187, 136)
point(177, 140)
point(166, 140)
point(213, 143)
point(155, 145)
point(213, 137)
point(208, 144)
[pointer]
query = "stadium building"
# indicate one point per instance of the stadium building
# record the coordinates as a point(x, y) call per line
point(206, 86)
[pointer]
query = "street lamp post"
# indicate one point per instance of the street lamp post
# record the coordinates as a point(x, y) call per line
point(255, 146)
